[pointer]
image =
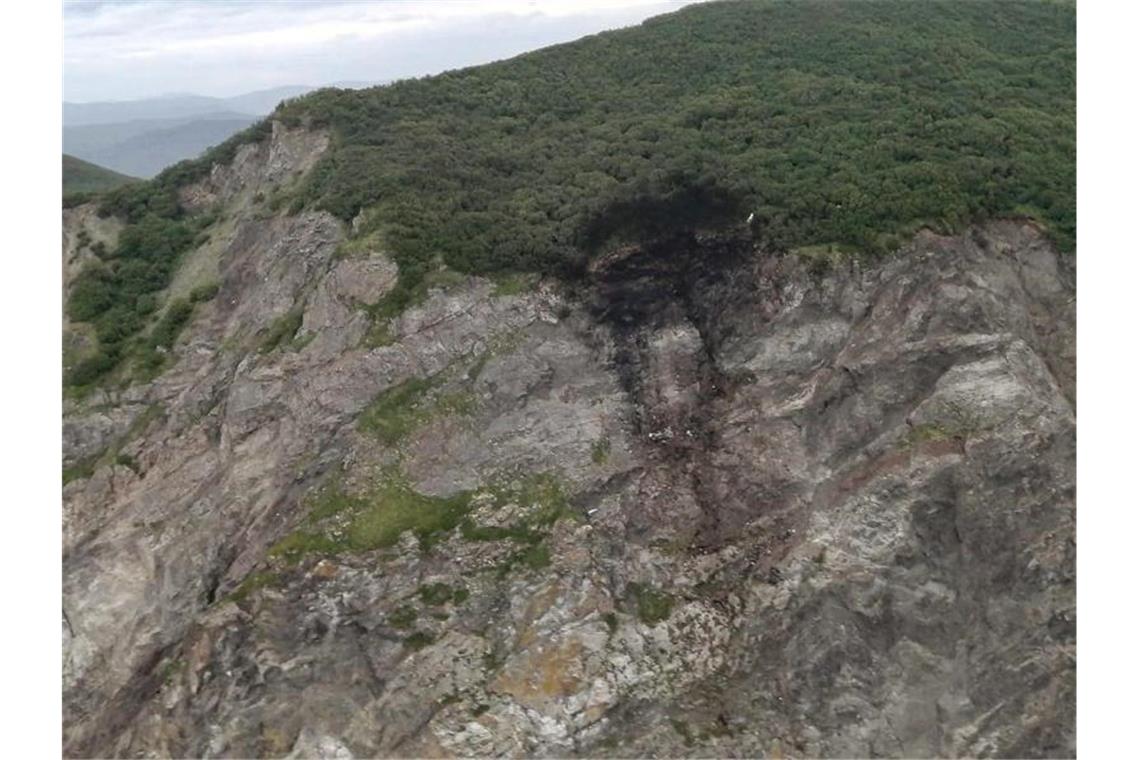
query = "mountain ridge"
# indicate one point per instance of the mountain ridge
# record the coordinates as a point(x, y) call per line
point(256, 103)
point(81, 176)
point(942, 120)
point(700, 487)
point(144, 147)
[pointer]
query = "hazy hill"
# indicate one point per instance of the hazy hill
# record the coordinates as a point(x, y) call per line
point(142, 137)
point(176, 106)
point(80, 176)
point(94, 137)
point(144, 147)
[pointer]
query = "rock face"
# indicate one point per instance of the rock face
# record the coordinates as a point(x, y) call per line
point(704, 503)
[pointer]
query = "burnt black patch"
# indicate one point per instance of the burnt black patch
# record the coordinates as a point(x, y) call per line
point(692, 282)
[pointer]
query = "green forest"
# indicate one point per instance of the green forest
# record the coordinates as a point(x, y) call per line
point(842, 123)
point(835, 122)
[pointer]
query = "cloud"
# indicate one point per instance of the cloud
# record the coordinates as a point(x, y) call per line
point(120, 50)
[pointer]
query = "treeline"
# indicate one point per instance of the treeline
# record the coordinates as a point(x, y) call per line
point(835, 122)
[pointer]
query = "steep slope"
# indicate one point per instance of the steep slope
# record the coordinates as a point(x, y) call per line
point(721, 503)
point(80, 176)
point(699, 495)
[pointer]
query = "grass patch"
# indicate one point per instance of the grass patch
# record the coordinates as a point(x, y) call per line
point(397, 509)
point(541, 493)
point(402, 618)
point(359, 247)
point(299, 343)
point(542, 500)
point(282, 330)
point(204, 293)
point(397, 411)
point(600, 451)
point(611, 620)
point(172, 668)
point(513, 284)
point(931, 432)
point(535, 557)
point(958, 423)
point(342, 522)
point(254, 581)
point(296, 546)
point(418, 640)
point(653, 605)
point(403, 408)
point(438, 594)
point(339, 522)
point(379, 334)
point(80, 470)
point(412, 290)
point(682, 728)
point(461, 403)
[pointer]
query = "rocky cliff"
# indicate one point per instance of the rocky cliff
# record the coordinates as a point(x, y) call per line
point(710, 500)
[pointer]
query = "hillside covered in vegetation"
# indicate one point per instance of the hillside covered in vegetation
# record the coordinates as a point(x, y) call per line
point(836, 123)
point(81, 176)
point(468, 416)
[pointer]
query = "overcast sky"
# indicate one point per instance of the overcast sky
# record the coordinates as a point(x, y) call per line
point(126, 49)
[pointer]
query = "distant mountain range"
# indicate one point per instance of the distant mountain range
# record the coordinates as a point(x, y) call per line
point(144, 147)
point(142, 137)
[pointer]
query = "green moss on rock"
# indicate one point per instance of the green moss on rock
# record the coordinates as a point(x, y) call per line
point(653, 605)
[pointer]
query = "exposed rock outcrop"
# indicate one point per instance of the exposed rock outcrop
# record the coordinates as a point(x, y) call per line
point(714, 504)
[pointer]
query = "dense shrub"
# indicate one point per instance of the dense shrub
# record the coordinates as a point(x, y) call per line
point(71, 200)
point(282, 330)
point(832, 122)
point(835, 122)
point(94, 367)
point(204, 293)
point(118, 293)
point(166, 331)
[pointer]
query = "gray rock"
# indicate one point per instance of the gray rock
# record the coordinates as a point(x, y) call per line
point(741, 509)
